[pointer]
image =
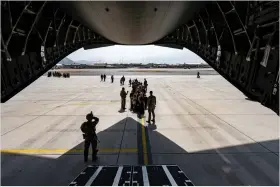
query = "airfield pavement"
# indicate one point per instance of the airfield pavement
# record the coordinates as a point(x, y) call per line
point(138, 71)
point(205, 126)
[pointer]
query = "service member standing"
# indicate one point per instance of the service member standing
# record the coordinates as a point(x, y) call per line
point(151, 103)
point(145, 85)
point(89, 130)
point(145, 100)
point(131, 99)
point(141, 104)
point(123, 98)
point(123, 80)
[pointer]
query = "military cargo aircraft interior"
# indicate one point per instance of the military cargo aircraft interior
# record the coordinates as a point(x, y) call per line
point(140, 127)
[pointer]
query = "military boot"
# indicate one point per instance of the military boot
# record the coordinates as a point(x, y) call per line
point(94, 155)
point(85, 159)
point(85, 155)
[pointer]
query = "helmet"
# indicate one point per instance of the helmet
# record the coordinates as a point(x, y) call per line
point(89, 116)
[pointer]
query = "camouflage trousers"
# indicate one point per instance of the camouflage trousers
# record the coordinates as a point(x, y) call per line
point(123, 103)
point(93, 143)
point(151, 111)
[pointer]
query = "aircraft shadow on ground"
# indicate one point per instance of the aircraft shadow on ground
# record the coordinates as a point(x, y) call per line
point(203, 167)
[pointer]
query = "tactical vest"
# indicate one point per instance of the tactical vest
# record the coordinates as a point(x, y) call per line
point(151, 101)
point(88, 128)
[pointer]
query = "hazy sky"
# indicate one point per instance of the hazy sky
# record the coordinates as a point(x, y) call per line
point(136, 54)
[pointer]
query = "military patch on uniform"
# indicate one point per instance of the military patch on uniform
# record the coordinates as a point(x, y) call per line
point(150, 175)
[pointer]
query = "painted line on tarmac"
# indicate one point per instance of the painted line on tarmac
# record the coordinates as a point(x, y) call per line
point(149, 152)
point(144, 142)
point(50, 151)
point(139, 143)
point(144, 154)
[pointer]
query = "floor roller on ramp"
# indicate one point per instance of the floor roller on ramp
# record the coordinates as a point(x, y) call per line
point(127, 175)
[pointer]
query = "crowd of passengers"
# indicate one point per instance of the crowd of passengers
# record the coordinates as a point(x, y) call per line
point(138, 97)
point(58, 74)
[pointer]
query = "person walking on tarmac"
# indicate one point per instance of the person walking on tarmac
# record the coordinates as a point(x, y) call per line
point(89, 130)
point(131, 100)
point(101, 77)
point(145, 82)
point(104, 77)
point(123, 98)
point(151, 103)
point(141, 101)
point(123, 80)
point(145, 100)
point(145, 85)
point(129, 82)
point(112, 79)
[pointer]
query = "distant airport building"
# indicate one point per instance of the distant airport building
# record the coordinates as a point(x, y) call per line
point(99, 65)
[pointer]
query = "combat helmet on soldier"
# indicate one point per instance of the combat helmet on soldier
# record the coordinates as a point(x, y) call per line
point(89, 130)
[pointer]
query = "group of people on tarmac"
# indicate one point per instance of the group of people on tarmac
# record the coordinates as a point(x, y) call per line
point(122, 80)
point(138, 98)
point(139, 102)
point(58, 74)
point(103, 77)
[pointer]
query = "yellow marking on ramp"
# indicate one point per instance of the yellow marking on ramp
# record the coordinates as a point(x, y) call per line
point(144, 140)
point(50, 151)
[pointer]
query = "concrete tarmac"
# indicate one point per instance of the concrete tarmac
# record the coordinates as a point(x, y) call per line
point(206, 126)
point(138, 71)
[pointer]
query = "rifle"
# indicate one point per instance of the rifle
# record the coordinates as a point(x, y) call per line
point(96, 138)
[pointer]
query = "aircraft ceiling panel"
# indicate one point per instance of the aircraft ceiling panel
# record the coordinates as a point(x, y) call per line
point(132, 22)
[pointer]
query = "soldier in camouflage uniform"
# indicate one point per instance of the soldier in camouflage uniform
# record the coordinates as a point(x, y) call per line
point(123, 98)
point(131, 99)
point(141, 102)
point(89, 130)
point(151, 103)
point(145, 85)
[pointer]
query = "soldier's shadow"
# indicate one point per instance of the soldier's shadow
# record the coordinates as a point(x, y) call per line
point(152, 126)
point(118, 145)
point(123, 144)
